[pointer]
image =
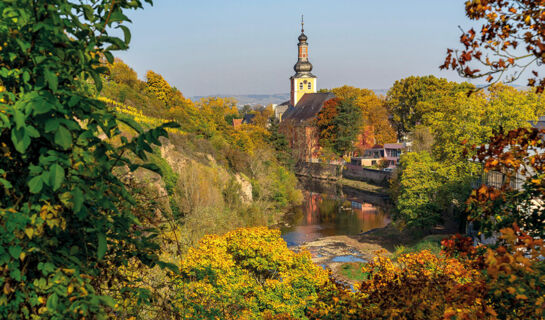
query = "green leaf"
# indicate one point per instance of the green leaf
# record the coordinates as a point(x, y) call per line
point(19, 118)
point(26, 76)
point(52, 303)
point(77, 199)
point(126, 33)
point(15, 274)
point(51, 79)
point(35, 184)
point(74, 100)
point(56, 176)
point(63, 137)
point(109, 301)
point(5, 183)
point(20, 139)
point(51, 125)
point(15, 251)
point(102, 246)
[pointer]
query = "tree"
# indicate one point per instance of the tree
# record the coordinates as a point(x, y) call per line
point(65, 218)
point(518, 156)
point(159, 87)
point(339, 124)
point(411, 98)
point(507, 26)
point(325, 121)
point(122, 73)
point(375, 113)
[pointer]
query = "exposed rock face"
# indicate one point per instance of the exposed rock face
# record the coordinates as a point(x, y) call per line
point(175, 159)
point(245, 188)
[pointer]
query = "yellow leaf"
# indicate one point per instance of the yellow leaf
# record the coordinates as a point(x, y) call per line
point(29, 232)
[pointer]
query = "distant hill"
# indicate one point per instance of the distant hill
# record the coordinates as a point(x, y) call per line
point(264, 99)
point(251, 99)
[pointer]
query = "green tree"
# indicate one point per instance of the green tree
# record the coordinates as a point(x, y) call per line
point(65, 218)
point(411, 98)
point(339, 124)
point(348, 124)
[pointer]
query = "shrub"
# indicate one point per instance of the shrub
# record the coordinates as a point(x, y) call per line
point(247, 274)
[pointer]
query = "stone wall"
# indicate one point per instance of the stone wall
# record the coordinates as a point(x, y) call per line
point(355, 172)
point(322, 171)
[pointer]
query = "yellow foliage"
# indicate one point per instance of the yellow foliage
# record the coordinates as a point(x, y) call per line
point(246, 274)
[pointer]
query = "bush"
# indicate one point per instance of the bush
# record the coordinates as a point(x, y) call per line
point(247, 274)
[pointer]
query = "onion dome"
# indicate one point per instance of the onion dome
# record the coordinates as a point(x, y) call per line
point(302, 67)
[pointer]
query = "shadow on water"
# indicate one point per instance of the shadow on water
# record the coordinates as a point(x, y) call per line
point(331, 209)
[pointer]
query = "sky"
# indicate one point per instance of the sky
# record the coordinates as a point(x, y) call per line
point(208, 47)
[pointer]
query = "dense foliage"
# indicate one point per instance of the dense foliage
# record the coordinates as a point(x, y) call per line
point(447, 124)
point(516, 158)
point(65, 218)
point(340, 122)
point(247, 274)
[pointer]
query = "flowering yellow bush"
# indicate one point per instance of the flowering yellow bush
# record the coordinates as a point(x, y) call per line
point(248, 273)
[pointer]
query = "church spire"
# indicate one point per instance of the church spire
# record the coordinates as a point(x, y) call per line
point(303, 66)
point(302, 82)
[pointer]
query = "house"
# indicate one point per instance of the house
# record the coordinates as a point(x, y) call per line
point(390, 152)
point(237, 123)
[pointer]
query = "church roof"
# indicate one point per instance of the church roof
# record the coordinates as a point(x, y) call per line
point(308, 106)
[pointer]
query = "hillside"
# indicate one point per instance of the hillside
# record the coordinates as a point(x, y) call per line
point(214, 178)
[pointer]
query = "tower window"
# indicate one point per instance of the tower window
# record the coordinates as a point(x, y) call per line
point(301, 86)
point(309, 86)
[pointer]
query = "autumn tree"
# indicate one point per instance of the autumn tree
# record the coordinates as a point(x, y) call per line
point(374, 111)
point(510, 41)
point(518, 157)
point(340, 122)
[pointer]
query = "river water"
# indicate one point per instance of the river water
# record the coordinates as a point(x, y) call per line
point(330, 209)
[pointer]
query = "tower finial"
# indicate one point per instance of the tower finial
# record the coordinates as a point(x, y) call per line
point(302, 24)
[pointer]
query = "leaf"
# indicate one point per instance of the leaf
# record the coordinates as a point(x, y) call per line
point(29, 232)
point(35, 184)
point(109, 301)
point(56, 176)
point(51, 79)
point(63, 137)
point(51, 125)
point(20, 139)
point(15, 251)
point(19, 119)
point(15, 274)
point(126, 33)
point(52, 302)
point(102, 246)
point(77, 199)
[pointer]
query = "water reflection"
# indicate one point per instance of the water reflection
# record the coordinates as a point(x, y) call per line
point(324, 214)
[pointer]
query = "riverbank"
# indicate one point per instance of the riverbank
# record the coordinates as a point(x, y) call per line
point(345, 254)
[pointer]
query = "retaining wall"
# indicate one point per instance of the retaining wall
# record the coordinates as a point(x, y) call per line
point(355, 172)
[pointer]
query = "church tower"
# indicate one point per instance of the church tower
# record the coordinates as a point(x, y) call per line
point(303, 81)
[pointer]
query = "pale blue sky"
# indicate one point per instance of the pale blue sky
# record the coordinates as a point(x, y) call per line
point(206, 47)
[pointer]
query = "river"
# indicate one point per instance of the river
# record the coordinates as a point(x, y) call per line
point(333, 210)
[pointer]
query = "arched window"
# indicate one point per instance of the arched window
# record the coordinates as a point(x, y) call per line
point(309, 85)
point(300, 86)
